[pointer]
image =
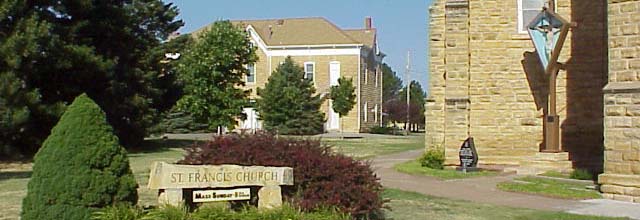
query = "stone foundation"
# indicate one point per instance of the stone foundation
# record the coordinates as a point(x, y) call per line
point(621, 178)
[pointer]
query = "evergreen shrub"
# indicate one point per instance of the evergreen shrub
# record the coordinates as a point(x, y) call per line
point(380, 130)
point(433, 159)
point(322, 178)
point(80, 168)
point(581, 174)
point(288, 103)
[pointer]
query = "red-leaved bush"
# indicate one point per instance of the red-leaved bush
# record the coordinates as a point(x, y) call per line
point(321, 177)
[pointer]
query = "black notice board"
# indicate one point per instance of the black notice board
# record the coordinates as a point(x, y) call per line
point(468, 154)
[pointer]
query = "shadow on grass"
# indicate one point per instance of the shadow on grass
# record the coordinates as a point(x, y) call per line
point(160, 145)
point(5, 175)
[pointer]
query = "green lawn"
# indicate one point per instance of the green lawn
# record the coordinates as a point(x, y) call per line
point(556, 174)
point(13, 184)
point(550, 187)
point(414, 168)
point(406, 206)
point(414, 206)
point(364, 148)
point(13, 188)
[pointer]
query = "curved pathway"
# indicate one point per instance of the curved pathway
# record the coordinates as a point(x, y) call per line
point(479, 189)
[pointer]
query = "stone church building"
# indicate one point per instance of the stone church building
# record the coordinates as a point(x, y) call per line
point(487, 83)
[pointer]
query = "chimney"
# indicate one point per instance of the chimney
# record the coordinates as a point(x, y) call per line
point(367, 23)
point(270, 31)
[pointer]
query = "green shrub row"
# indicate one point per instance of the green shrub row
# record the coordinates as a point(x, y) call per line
point(433, 159)
point(386, 130)
point(215, 212)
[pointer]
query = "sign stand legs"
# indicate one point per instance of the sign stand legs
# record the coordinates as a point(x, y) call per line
point(552, 120)
point(171, 197)
point(269, 197)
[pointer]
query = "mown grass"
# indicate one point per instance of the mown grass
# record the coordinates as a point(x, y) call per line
point(415, 206)
point(365, 148)
point(13, 185)
point(414, 168)
point(555, 174)
point(550, 188)
point(12, 190)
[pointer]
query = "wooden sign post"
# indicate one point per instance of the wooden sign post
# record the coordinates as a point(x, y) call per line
point(219, 183)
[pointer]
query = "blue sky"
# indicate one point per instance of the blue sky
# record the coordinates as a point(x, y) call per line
point(402, 24)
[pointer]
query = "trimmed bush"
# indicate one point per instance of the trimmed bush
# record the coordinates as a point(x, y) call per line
point(581, 174)
point(386, 130)
point(80, 167)
point(322, 178)
point(380, 130)
point(433, 159)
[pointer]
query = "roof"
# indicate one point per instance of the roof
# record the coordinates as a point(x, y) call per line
point(304, 31)
point(364, 36)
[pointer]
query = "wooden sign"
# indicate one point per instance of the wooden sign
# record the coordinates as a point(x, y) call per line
point(221, 195)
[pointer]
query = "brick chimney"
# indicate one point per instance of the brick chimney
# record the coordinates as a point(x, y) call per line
point(367, 23)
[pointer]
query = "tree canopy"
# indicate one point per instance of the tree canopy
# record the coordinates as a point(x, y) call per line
point(391, 83)
point(213, 71)
point(416, 108)
point(343, 96)
point(53, 51)
point(287, 103)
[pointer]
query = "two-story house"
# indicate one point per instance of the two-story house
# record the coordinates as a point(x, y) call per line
point(326, 52)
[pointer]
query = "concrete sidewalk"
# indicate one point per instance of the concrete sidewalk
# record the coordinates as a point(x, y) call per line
point(483, 190)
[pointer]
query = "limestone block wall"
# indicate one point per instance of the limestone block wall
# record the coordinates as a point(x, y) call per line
point(621, 178)
point(434, 115)
point(457, 60)
point(487, 82)
point(370, 93)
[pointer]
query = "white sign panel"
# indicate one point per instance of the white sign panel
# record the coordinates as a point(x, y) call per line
point(221, 195)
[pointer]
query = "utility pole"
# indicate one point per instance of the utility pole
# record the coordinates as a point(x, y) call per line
point(408, 81)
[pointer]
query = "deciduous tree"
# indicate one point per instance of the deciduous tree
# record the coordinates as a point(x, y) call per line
point(343, 96)
point(391, 86)
point(213, 71)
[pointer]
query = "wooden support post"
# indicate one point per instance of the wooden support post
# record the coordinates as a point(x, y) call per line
point(552, 119)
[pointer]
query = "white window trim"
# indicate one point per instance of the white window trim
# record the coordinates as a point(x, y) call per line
point(255, 75)
point(375, 113)
point(521, 26)
point(314, 70)
point(366, 111)
point(366, 73)
point(339, 72)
